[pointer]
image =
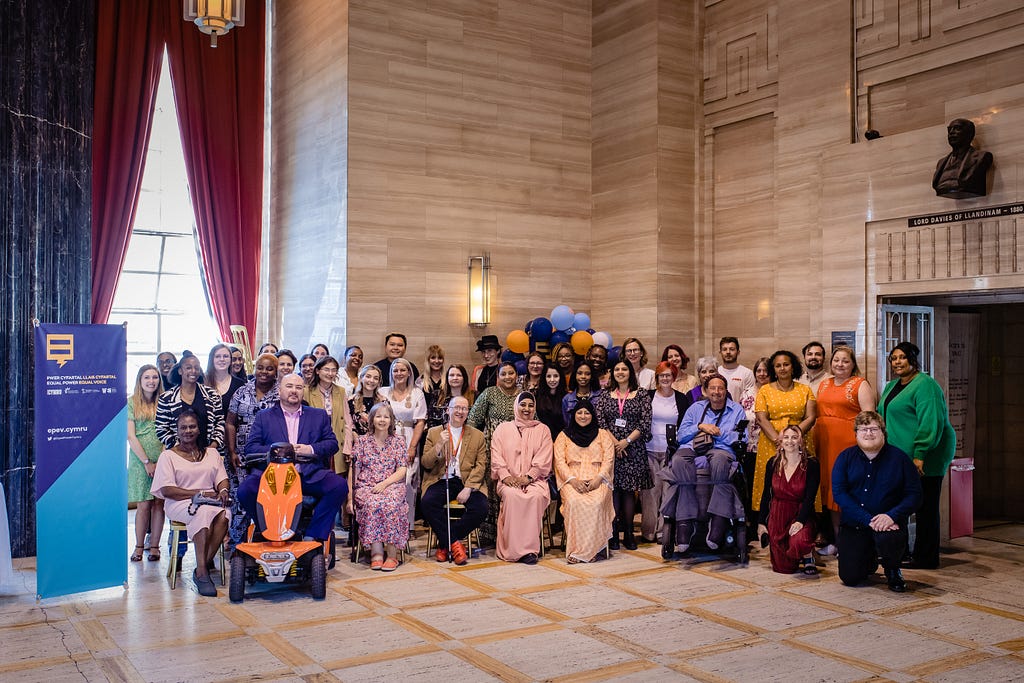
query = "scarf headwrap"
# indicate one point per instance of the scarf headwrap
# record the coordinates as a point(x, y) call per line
point(520, 422)
point(582, 436)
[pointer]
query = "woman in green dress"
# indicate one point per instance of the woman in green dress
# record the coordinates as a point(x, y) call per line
point(146, 448)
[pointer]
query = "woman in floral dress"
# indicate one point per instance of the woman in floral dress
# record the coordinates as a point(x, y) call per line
point(377, 482)
point(625, 411)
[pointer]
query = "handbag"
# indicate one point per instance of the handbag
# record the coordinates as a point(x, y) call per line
point(703, 442)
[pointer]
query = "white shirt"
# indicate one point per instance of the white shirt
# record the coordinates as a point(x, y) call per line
point(740, 378)
point(453, 465)
point(663, 412)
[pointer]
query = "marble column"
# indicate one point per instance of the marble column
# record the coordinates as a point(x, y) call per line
point(47, 62)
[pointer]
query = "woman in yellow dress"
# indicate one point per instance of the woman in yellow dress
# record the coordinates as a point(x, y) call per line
point(584, 462)
point(780, 403)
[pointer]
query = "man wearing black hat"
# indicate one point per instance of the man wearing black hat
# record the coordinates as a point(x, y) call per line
point(486, 375)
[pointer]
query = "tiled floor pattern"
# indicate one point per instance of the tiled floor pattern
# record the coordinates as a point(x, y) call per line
point(632, 617)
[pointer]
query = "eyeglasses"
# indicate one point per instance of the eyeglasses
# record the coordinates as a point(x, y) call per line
point(869, 430)
point(459, 409)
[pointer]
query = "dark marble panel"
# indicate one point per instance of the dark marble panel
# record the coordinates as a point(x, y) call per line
point(47, 62)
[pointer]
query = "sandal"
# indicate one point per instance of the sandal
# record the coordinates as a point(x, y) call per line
point(808, 567)
point(390, 565)
point(377, 563)
point(137, 555)
point(154, 554)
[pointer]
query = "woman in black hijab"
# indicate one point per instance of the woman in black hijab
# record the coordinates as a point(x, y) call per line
point(584, 460)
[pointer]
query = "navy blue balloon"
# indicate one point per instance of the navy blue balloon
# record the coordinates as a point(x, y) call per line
point(508, 356)
point(613, 355)
point(540, 329)
point(529, 327)
point(590, 330)
point(559, 337)
point(521, 367)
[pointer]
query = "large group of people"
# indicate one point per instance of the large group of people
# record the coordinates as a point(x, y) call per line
point(793, 448)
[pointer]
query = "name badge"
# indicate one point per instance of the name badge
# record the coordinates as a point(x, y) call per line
point(620, 422)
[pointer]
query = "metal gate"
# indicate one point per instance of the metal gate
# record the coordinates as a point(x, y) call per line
point(897, 324)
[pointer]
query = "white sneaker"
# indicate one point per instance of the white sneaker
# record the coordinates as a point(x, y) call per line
point(682, 547)
point(829, 549)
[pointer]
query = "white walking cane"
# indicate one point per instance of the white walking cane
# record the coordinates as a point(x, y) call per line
point(448, 503)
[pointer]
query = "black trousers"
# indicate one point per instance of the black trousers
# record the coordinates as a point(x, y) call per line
point(861, 547)
point(432, 505)
point(926, 545)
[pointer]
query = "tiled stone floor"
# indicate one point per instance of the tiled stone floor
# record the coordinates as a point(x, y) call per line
point(632, 617)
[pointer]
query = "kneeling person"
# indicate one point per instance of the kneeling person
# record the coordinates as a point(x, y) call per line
point(309, 431)
point(716, 417)
point(877, 488)
point(454, 468)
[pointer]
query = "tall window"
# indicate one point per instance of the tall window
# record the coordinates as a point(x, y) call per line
point(162, 293)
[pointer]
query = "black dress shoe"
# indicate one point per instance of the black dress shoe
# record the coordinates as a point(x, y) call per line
point(629, 542)
point(528, 558)
point(894, 577)
point(613, 542)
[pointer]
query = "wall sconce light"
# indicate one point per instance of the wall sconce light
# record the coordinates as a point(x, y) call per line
point(215, 17)
point(479, 290)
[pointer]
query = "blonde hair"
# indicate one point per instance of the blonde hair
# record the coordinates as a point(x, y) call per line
point(429, 386)
point(142, 407)
point(780, 461)
point(359, 401)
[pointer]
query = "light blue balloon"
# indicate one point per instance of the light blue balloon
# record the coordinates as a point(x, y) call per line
point(561, 317)
point(581, 321)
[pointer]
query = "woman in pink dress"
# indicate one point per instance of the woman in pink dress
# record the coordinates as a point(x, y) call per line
point(787, 505)
point(187, 468)
point(521, 453)
point(377, 482)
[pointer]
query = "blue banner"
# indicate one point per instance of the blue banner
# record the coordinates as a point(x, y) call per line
point(81, 475)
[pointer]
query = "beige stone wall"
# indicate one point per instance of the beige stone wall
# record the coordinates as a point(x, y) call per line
point(792, 200)
point(469, 131)
point(682, 170)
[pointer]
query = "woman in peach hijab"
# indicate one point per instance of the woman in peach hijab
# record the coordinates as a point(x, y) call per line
point(521, 453)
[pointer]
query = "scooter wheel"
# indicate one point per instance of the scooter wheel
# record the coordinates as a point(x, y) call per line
point(318, 576)
point(333, 555)
point(236, 584)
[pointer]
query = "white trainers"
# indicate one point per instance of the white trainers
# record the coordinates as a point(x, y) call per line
point(829, 549)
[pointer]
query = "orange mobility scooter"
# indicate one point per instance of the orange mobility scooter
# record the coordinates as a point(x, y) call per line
point(274, 551)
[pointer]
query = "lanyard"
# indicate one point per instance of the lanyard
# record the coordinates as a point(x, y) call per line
point(622, 400)
point(455, 446)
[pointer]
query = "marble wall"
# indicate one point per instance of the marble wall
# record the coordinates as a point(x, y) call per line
point(46, 104)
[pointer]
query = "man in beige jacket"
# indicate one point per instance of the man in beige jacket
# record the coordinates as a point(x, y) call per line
point(454, 468)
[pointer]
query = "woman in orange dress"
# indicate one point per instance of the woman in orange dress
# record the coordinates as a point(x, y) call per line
point(584, 462)
point(840, 398)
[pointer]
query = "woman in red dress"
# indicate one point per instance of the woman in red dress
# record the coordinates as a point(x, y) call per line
point(787, 505)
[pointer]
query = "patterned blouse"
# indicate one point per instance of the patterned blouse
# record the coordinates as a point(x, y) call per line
point(245, 405)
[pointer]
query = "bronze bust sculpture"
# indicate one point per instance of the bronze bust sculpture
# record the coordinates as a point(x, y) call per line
point(961, 174)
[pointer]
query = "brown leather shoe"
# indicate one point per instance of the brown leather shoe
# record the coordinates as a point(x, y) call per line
point(459, 554)
point(441, 555)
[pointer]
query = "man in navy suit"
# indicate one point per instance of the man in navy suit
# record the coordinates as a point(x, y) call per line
point(309, 431)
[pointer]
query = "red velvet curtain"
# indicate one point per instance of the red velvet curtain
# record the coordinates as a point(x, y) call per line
point(129, 48)
point(219, 96)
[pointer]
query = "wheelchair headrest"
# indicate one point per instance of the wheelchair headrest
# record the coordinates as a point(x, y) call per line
point(281, 452)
